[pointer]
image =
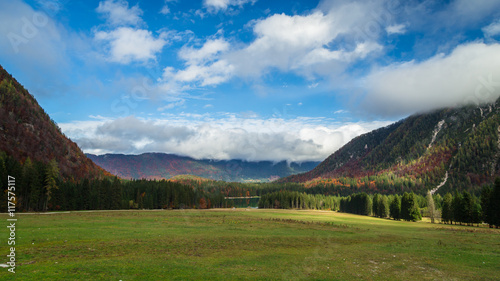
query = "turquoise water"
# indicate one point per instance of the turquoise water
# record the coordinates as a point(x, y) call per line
point(244, 202)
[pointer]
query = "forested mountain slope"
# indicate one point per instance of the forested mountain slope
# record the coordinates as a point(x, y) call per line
point(455, 146)
point(165, 166)
point(26, 131)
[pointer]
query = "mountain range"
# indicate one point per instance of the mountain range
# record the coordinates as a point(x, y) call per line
point(446, 150)
point(165, 166)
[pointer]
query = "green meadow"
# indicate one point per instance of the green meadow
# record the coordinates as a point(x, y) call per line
point(245, 244)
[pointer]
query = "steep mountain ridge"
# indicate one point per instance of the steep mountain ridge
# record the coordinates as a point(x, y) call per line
point(417, 153)
point(165, 166)
point(26, 131)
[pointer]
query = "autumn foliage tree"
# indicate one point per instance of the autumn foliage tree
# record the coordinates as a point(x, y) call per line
point(430, 207)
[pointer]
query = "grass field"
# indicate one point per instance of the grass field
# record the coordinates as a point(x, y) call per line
point(245, 244)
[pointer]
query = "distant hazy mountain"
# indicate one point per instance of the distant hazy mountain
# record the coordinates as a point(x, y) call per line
point(454, 148)
point(165, 166)
point(26, 131)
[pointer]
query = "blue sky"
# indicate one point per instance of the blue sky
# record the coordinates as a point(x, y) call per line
point(246, 79)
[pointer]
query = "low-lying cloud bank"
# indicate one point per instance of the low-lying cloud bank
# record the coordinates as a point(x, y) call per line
point(251, 139)
point(468, 75)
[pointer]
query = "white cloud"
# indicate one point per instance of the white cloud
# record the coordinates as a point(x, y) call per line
point(118, 13)
point(37, 49)
point(171, 105)
point(450, 16)
point(231, 137)
point(396, 29)
point(203, 66)
point(215, 6)
point(466, 11)
point(127, 44)
point(493, 29)
point(207, 52)
point(340, 111)
point(282, 40)
point(207, 74)
point(165, 10)
point(322, 43)
point(50, 6)
point(469, 74)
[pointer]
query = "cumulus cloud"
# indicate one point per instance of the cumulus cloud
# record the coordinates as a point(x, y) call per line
point(464, 11)
point(118, 13)
point(165, 10)
point(230, 137)
point(126, 44)
point(431, 16)
point(396, 29)
point(298, 43)
point(208, 51)
point(469, 74)
point(208, 74)
point(325, 42)
point(493, 29)
point(123, 41)
point(215, 6)
point(204, 67)
point(320, 44)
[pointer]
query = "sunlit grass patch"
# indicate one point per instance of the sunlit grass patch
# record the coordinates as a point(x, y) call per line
point(248, 244)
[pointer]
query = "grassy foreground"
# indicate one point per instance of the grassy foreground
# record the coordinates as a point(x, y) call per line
point(245, 244)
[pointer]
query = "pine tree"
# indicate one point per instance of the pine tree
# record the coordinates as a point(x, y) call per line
point(116, 194)
point(366, 204)
point(409, 207)
point(458, 211)
point(375, 205)
point(447, 209)
point(85, 194)
point(494, 206)
point(3, 182)
point(31, 185)
point(383, 207)
point(467, 206)
point(485, 203)
point(395, 208)
point(476, 213)
point(405, 208)
point(26, 184)
point(51, 176)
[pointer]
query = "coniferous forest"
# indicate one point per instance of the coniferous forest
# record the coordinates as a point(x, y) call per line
point(411, 155)
point(40, 188)
point(250, 140)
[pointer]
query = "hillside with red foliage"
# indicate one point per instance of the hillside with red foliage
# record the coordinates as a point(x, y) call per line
point(26, 130)
point(459, 146)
